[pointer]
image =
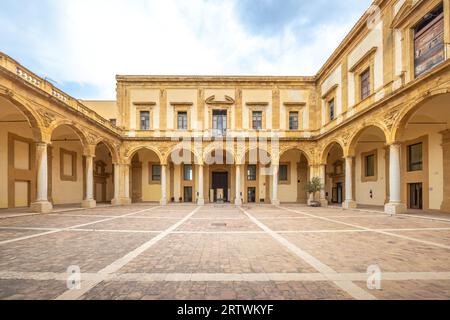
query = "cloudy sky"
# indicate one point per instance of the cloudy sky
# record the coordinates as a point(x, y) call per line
point(82, 44)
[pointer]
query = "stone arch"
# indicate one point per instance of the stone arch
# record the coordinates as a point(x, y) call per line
point(326, 150)
point(71, 125)
point(198, 159)
point(34, 120)
point(407, 112)
point(303, 151)
point(130, 154)
point(223, 146)
point(112, 150)
point(250, 148)
point(350, 151)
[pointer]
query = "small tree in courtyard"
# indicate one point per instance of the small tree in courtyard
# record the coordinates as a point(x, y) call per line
point(313, 187)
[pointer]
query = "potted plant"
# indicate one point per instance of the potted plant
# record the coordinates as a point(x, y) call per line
point(313, 187)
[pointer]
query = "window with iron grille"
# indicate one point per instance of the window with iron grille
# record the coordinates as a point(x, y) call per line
point(257, 120)
point(188, 173)
point(415, 159)
point(293, 120)
point(251, 172)
point(145, 120)
point(331, 109)
point(182, 121)
point(283, 173)
point(156, 172)
point(365, 84)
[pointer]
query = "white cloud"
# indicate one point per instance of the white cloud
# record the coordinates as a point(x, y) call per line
point(98, 39)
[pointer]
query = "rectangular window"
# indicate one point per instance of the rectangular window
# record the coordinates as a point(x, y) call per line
point(182, 121)
point(365, 84)
point(251, 172)
point(415, 162)
point(145, 120)
point(219, 122)
point(257, 120)
point(283, 174)
point(370, 165)
point(188, 173)
point(293, 120)
point(429, 48)
point(156, 172)
point(331, 109)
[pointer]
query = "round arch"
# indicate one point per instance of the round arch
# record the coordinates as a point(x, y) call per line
point(34, 120)
point(213, 147)
point(72, 126)
point(249, 149)
point(112, 150)
point(290, 148)
point(129, 156)
point(326, 150)
point(357, 135)
point(408, 112)
point(168, 157)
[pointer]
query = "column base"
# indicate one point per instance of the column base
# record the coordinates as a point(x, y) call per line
point(200, 201)
point(116, 202)
point(395, 208)
point(163, 202)
point(324, 203)
point(42, 207)
point(275, 202)
point(89, 204)
point(125, 201)
point(238, 202)
point(349, 204)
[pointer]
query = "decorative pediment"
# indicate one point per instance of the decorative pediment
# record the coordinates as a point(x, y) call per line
point(212, 101)
point(405, 10)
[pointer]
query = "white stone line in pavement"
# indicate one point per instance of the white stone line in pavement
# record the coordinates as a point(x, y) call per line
point(73, 227)
point(112, 216)
point(219, 232)
point(348, 286)
point(303, 218)
point(120, 263)
point(225, 277)
point(372, 230)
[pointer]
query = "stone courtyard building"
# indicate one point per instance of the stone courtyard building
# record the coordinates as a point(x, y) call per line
point(372, 124)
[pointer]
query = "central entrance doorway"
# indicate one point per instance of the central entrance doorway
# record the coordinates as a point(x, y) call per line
point(220, 186)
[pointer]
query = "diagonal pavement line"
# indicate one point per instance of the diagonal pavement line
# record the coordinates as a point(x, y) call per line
point(74, 227)
point(348, 286)
point(88, 285)
point(380, 231)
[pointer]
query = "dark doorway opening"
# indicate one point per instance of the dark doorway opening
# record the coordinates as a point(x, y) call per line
point(415, 196)
point(251, 195)
point(220, 183)
point(188, 194)
point(338, 194)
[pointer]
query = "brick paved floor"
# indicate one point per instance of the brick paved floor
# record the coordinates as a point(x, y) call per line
point(223, 252)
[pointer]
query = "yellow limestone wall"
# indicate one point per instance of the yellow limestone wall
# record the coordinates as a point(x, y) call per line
point(22, 130)
point(67, 192)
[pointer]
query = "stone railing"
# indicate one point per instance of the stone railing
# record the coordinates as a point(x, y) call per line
point(14, 67)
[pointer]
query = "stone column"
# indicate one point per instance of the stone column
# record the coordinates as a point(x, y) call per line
point(446, 156)
point(322, 174)
point(395, 205)
point(275, 200)
point(126, 185)
point(116, 200)
point(42, 205)
point(349, 202)
point(89, 201)
point(201, 196)
point(163, 200)
point(238, 200)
